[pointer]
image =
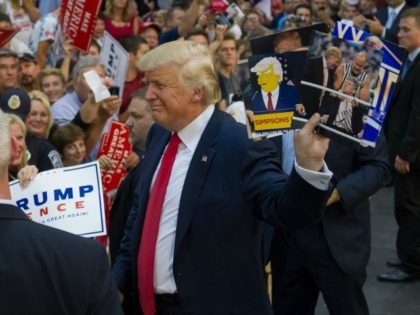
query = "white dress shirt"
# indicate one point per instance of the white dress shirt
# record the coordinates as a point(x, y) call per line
point(190, 135)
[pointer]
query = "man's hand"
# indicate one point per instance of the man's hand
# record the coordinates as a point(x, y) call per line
point(26, 175)
point(105, 162)
point(220, 32)
point(359, 20)
point(310, 147)
point(131, 161)
point(109, 107)
point(375, 27)
point(401, 166)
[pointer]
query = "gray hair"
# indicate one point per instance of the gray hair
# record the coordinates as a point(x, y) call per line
point(4, 143)
point(85, 62)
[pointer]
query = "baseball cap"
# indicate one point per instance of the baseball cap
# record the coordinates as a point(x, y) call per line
point(15, 101)
point(27, 57)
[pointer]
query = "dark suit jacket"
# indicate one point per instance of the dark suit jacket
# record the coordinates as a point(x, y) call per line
point(286, 99)
point(402, 122)
point(359, 173)
point(47, 271)
point(309, 96)
point(217, 258)
point(392, 33)
point(120, 210)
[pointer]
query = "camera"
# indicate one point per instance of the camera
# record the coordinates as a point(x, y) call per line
point(114, 90)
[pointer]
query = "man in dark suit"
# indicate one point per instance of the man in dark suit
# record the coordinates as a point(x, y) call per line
point(331, 255)
point(44, 270)
point(320, 71)
point(206, 256)
point(402, 129)
point(385, 22)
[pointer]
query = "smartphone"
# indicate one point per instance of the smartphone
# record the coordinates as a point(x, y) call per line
point(114, 90)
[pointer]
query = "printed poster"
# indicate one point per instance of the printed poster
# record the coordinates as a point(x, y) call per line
point(79, 20)
point(6, 34)
point(115, 59)
point(115, 145)
point(69, 199)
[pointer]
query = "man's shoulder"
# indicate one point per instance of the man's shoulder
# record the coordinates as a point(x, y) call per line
point(67, 102)
point(54, 238)
point(68, 98)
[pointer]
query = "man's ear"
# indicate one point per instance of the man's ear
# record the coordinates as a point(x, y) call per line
point(198, 95)
point(13, 148)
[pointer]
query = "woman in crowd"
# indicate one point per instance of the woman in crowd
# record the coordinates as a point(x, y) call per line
point(39, 120)
point(120, 20)
point(70, 143)
point(52, 83)
point(38, 124)
point(18, 166)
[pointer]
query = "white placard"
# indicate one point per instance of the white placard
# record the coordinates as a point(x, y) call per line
point(115, 59)
point(68, 199)
point(95, 84)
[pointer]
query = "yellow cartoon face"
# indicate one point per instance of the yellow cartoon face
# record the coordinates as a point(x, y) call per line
point(268, 80)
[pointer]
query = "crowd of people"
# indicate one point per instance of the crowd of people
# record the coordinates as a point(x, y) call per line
point(203, 208)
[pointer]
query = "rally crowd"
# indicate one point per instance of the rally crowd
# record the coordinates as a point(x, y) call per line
point(321, 245)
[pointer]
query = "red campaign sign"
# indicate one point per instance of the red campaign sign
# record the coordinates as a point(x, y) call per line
point(78, 21)
point(6, 34)
point(116, 146)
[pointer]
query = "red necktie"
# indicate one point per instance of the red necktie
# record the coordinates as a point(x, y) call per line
point(270, 103)
point(146, 256)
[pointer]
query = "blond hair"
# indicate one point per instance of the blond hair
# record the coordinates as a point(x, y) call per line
point(333, 51)
point(195, 62)
point(38, 95)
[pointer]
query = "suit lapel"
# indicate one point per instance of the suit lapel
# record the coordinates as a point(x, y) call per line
point(196, 175)
point(406, 77)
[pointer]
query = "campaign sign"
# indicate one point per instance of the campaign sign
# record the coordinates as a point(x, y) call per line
point(6, 34)
point(68, 199)
point(79, 19)
point(115, 59)
point(116, 146)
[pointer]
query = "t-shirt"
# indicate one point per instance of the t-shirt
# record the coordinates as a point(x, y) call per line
point(129, 88)
point(119, 32)
point(48, 28)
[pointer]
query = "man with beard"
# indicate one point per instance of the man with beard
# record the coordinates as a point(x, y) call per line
point(28, 72)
